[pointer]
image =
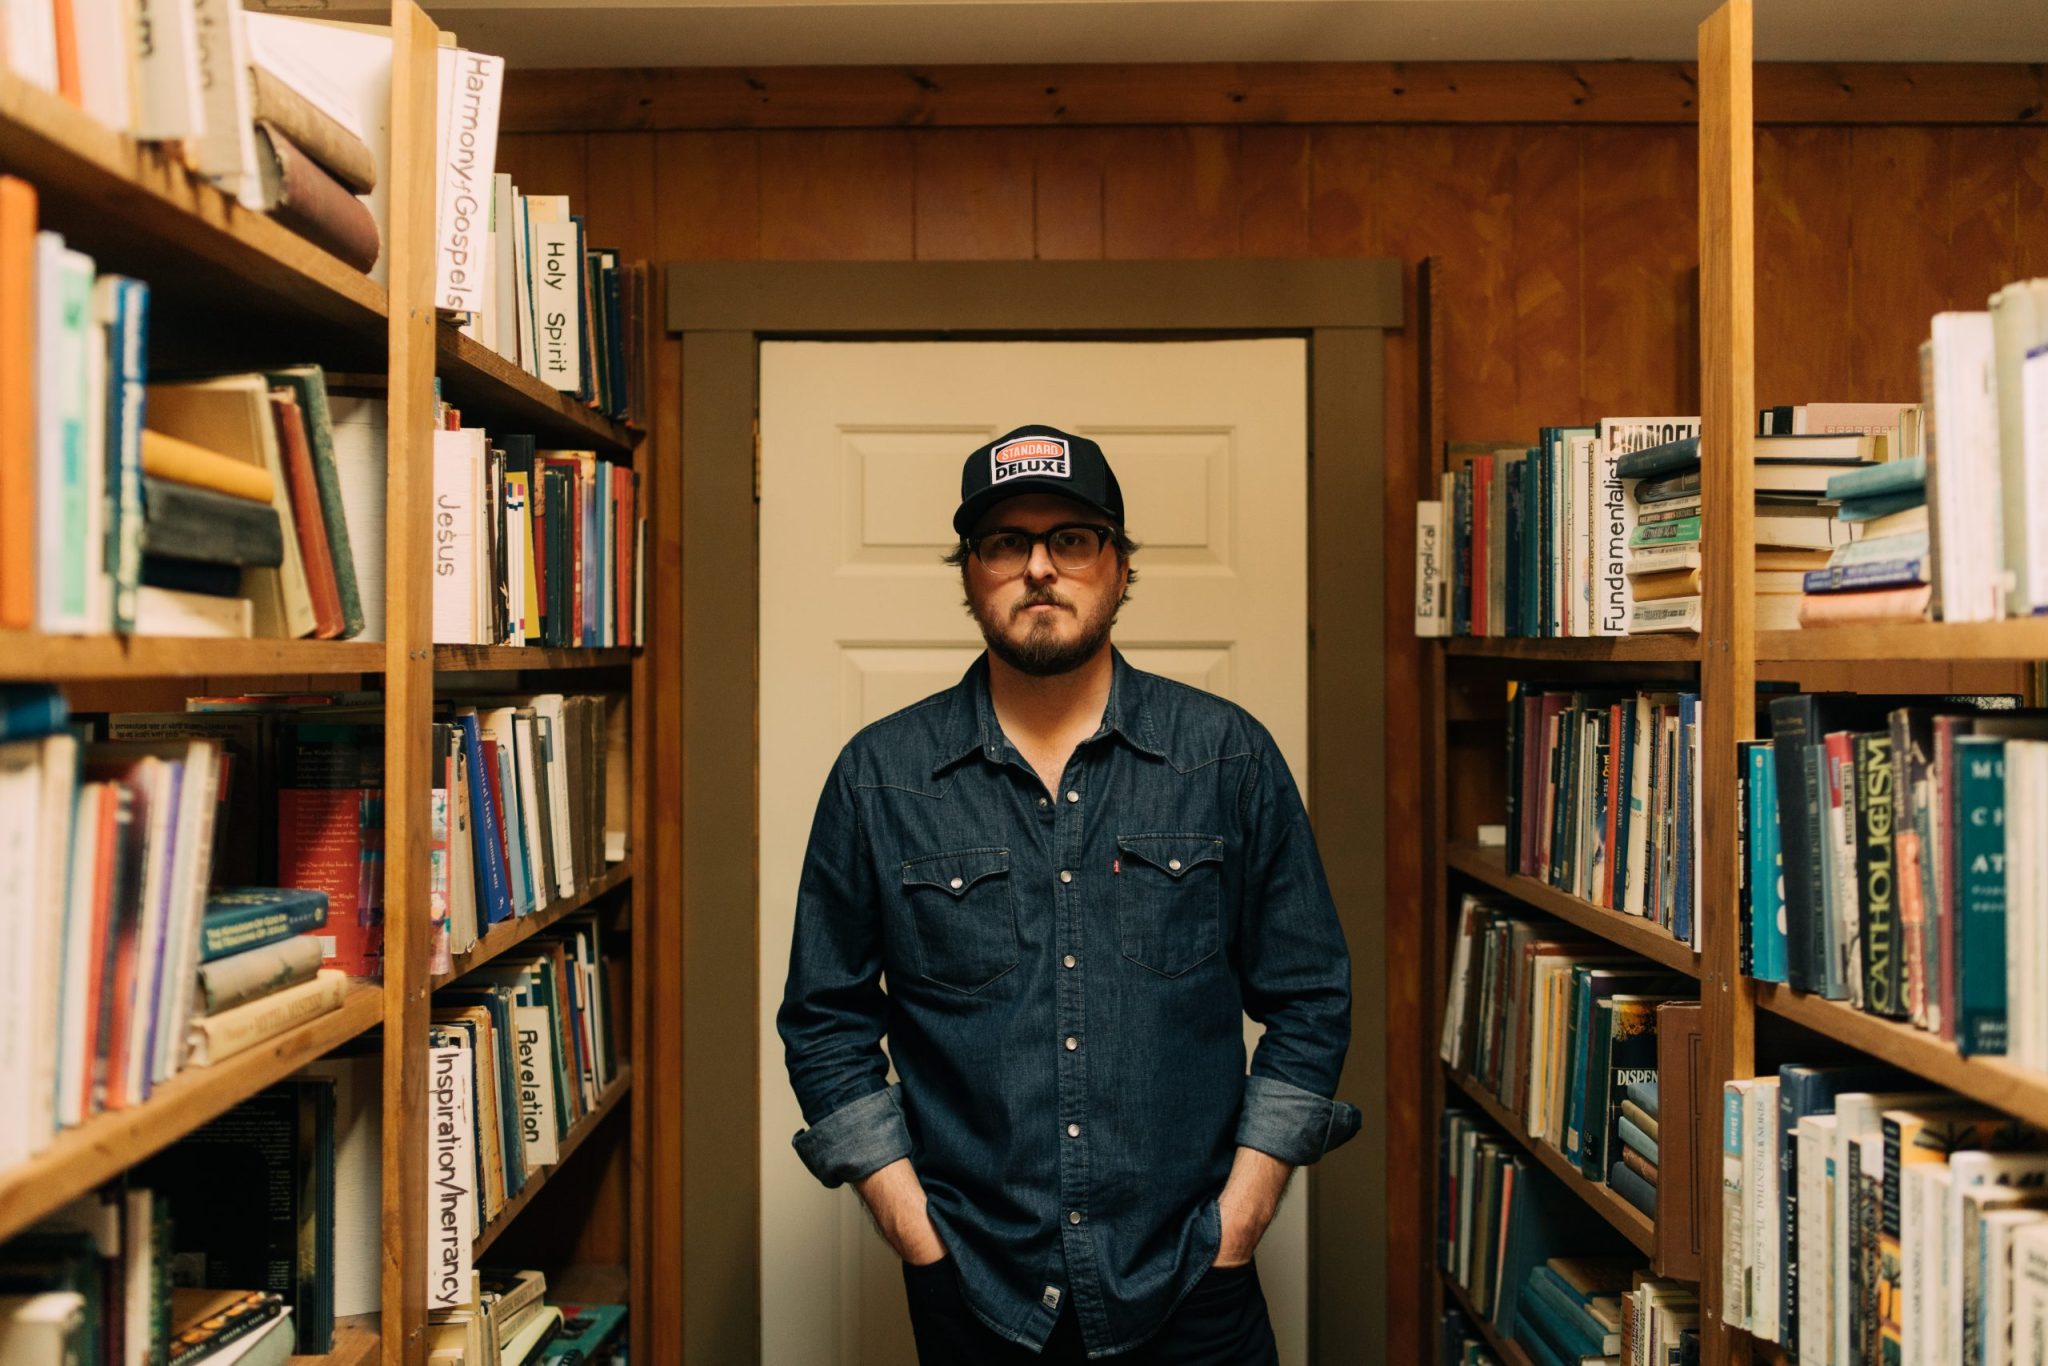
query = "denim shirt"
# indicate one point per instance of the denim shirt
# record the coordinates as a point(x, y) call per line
point(1067, 978)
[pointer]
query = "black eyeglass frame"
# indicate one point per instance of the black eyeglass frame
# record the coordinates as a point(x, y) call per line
point(1032, 539)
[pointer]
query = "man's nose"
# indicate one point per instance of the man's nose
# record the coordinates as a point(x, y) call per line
point(1040, 568)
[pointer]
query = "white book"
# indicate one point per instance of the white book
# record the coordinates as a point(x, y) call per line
point(451, 1177)
point(527, 752)
point(471, 86)
point(29, 43)
point(1760, 1184)
point(1963, 480)
point(106, 65)
point(2019, 325)
point(1735, 1230)
point(197, 806)
point(1431, 585)
point(456, 514)
point(99, 579)
point(1859, 1115)
point(138, 1268)
point(56, 815)
point(72, 1063)
point(225, 149)
point(358, 423)
point(358, 1178)
point(23, 845)
point(506, 262)
point(164, 782)
point(558, 303)
point(535, 1062)
point(1971, 1171)
point(2034, 463)
point(2000, 1228)
point(1451, 1038)
point(548, 707)
point(1981, 1207)
point(1584, 453)
point(1923, 1187)
point(64, 462)
point(170, 107)
point(522, 281)
point(1816, 1244)
point(170, 612)
point(2030, 1295)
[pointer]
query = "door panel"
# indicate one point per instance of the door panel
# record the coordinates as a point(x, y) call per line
point(861, 451)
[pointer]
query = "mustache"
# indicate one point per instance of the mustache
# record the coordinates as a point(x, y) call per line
point(1040, 597)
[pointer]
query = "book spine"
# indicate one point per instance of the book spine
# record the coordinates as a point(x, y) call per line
point(127, 349)
point(1734, 1214)
point(1981, 907)
point(230, 929)
point(1429, 616)
point(217, 1037)
point(1853, 577)
point(229, 982)
point(1883, 965)
point(1791, 720)
point(475, 84)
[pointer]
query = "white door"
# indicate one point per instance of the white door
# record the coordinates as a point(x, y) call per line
point(861, 448)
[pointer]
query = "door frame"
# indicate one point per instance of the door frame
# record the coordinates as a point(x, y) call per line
point(720, 312)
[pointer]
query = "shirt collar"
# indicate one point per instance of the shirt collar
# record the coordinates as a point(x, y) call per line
point(973, 727)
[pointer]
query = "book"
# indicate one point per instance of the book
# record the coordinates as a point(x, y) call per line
point(240, 919)
point(330, 830)
point(471, 85)
point(19, 380)
point(301, 194)
point(214, 1038)
point(171, 460)
point(308, 384)
point(189, 522)
point(254, 973)
point(169, 612)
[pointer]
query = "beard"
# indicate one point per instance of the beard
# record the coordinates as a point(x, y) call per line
point(1041, 653)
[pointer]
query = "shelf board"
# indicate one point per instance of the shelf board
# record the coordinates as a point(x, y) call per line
point(107, 1144)
point(2000, 1084)
point(475, 377)
point(1661, 646)
point(356, 1343)
point(32, 656)
point(508, 934)
point(1629, 1221)
point(137, 210)
point(484, 658)
point(2024, 638)
point(1507, 1349)
point(606, 1103)
point(1488, 864)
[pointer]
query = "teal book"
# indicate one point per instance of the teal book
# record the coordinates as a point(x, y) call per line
point(1980, 869)
point(1556, 1309)
point(241, 918)
point(1535, 1338)
point(68, 491)
point(1876, 505)
point(588, 1332)
point(124, 309)
point(1633, 1189)
point(1629, 1136)
point(1889, 476)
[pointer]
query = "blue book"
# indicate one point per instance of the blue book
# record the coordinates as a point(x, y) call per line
point(1652, 462)
point(1980, 899)
point(487, 849)
point(1546, 533)
point(1643, 1093)
point(240, 918)
point(1876, 505)
point(1633, 1188)
point(1562, 1316)
point(126, 313)
point(1632, 1136)
point(1889, 476)
point(31, 710)
point(520, 888)
point(1849, 578)
point(1766, 896)
point(1541, 1349)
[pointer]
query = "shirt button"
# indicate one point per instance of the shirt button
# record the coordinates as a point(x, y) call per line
point(1069, 960)
point(1066, 876)
point(1073, 796)
point(1042, 802)
point(956, 884)
point(1073, 1216)
point(1073, 1131)
point(1174, 864)
point(1072, 1043)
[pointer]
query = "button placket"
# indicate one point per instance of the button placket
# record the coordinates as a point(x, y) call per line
point(1074, 886)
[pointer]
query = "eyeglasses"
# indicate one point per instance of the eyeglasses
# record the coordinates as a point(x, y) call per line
point(1072, 547)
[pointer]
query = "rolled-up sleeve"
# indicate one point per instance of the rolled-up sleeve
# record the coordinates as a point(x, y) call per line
point(1295, 974)
point(834, 1011)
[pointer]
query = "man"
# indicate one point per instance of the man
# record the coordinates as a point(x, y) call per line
point(1077, 878)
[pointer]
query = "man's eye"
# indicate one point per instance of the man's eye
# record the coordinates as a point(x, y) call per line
point(1002, 545)
point(1070, 540)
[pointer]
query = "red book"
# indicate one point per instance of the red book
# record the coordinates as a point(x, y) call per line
point(109, 809)
point(330, 832)
point(1482, 493)
point(1616, 859)
point(622, 557)
point(17, 404)
point(308, 520)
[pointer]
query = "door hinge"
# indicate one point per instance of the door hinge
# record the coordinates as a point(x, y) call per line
point(757, 459)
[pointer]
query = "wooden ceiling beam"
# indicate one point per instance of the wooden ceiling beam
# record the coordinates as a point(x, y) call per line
point(677, 98)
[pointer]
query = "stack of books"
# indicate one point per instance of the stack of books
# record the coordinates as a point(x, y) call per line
point(1883, 574)
point(1660, 1322)
point(1558, 1027)
point(1600, 798)
point(1632, 1166)
point(1794, 530)
point(1872, 1218)
point(260, 973)
point(1984, 380)
point(1908, 831)
point(1570, 1311)
point(522, 1052)
point(591, 1335)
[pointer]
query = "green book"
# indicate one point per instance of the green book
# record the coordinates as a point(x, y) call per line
point(309, 385)
point(1980, 902)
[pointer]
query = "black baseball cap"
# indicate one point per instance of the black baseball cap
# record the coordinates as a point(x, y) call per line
point(1037, 459)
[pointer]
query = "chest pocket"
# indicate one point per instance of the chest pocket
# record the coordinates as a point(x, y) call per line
point(966, 924)
point(1169, 900)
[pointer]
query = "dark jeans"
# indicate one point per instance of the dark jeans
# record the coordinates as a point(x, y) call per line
point(1222, 1322)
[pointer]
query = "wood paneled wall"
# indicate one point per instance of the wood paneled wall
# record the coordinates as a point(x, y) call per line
point(1566, 257)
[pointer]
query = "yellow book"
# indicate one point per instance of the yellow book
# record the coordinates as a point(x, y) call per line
point(182, 462)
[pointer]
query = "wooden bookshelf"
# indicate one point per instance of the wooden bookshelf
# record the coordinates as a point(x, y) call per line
point(1661, 647)
point(509, 934)
point(2022, 639)
point(489, 658)
point(233, 289)
point(486, 386)
point(1627, 1220)
point(1488, 864)
point(107, 1144)
point(2003, 1085)
point(31, 656)
point(1507, 1349)
point(356, 1343)
point(584, 1127)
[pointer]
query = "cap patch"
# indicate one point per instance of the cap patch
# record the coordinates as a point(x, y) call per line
point(1041, 455)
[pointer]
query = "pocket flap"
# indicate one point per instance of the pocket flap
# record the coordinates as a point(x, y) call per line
point(1174, 855)
point(956, 872)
